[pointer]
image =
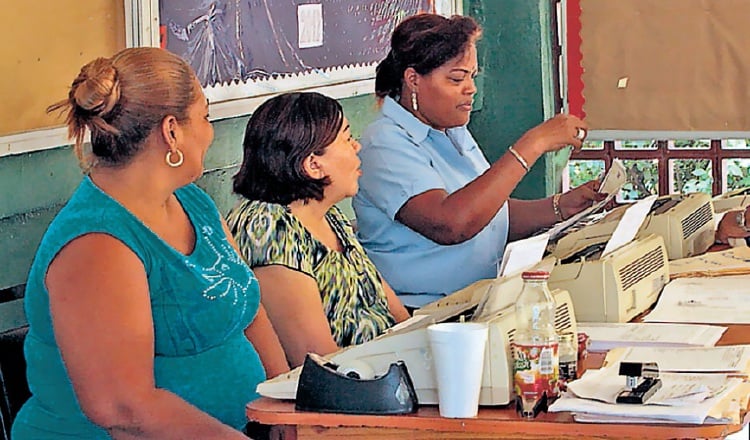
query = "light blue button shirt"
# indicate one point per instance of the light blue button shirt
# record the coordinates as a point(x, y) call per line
point(401, 158)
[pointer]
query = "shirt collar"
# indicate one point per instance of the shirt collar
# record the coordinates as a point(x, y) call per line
point(416, 129)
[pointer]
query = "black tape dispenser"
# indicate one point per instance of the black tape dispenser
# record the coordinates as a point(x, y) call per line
point(641, 383)
point(324, 387)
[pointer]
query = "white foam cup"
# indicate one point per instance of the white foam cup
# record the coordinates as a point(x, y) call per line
point(458, 358)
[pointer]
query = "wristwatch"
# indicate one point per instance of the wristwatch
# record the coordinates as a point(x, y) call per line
point(740, 219)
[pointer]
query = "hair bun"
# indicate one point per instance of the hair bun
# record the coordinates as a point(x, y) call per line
point(97, 88)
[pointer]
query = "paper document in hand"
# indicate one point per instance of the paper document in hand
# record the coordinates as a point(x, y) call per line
point(615, 179)
point(561, 227)
point(724, 300)
point(735, 261)
point(605, 336)
point(730, 359)
point(629, 224)
point(610, 185)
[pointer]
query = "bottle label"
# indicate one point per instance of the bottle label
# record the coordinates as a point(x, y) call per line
point(569, 370)
point(536, 369)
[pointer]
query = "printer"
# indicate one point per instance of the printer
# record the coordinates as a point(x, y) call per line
point(731, 200)
point(490, 301)
point(685, 221)
point(615, 287)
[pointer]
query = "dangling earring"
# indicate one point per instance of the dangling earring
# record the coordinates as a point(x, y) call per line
point(180, 158)
point(414, 103)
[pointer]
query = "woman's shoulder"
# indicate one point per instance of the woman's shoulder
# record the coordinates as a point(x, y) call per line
point(193, 195)
point(266, 234)
point(339, 217)
point(262, 224)
point(381, 131)
point(247, 212)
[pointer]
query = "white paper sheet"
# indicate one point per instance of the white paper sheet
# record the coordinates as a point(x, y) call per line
point(522, 254)
point(611, 184)
point(605, 336)
point(604, 412)
point(610, 418)
point(615, 178)
point(629, 224)
point(724, 300)
point(734, 359)
point(677, 389)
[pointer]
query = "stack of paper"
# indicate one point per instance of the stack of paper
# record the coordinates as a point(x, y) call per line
point(699, 385)
point(606, 336)
point(725, 407)
point(730, 359)
point(735, 261)
point(723, 300)
point(682, 398)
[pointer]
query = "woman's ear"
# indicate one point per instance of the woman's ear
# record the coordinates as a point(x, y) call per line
point(167, 130)
point(312, 166)
point(410, 79)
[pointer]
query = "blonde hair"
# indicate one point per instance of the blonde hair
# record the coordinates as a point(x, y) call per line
point(121, 99)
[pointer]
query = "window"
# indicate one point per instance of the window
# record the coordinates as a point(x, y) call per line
point(665, 166)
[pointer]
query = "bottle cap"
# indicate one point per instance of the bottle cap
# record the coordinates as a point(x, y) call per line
point(535, 275)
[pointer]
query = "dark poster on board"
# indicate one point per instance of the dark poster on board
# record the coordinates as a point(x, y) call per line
point(240, 40)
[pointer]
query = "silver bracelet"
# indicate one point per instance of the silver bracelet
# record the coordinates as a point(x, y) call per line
point(519, 158)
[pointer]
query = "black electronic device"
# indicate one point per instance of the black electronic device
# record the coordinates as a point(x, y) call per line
point(642, 381)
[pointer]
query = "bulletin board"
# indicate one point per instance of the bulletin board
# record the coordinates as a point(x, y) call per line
point(243, 50)
point(44, 46)
point(249, 48)
point(660, 66)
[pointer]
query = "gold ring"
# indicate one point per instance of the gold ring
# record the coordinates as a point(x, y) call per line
point(580, 134)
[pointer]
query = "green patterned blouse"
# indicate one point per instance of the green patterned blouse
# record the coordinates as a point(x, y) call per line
point(352, 293)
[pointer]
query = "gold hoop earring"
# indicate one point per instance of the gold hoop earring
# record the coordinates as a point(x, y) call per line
point(178, 162)
point(414, 103)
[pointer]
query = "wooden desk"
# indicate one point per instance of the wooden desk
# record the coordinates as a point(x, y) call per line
point(491, 423)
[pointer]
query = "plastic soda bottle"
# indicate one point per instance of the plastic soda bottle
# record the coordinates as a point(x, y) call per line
point(536, 361)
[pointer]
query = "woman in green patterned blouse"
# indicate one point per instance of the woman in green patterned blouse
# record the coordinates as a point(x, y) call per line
point(320, 289)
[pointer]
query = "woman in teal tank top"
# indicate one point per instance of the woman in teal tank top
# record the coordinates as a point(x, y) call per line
point(144, 322)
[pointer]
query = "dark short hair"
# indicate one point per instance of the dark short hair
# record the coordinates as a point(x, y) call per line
point(423, 42)
point(281, 133)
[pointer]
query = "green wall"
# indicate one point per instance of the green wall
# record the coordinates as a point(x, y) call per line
point(516, 81)
point(514, 97)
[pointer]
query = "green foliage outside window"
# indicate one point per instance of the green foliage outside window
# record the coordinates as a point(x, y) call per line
point(635, 145)
point(582, 171)
point(693, 175)
point(698, 144)
point(690, 175)
point(738, 173)
point(642, 180)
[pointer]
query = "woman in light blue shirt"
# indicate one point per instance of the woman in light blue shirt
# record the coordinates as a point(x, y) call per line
point(433, 214)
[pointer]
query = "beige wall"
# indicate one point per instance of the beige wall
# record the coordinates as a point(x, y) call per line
point(45, 43)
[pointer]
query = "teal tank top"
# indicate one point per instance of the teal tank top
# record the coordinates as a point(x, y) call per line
point(201, 304)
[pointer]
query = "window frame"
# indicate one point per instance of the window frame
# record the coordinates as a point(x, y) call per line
point(663, 154)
